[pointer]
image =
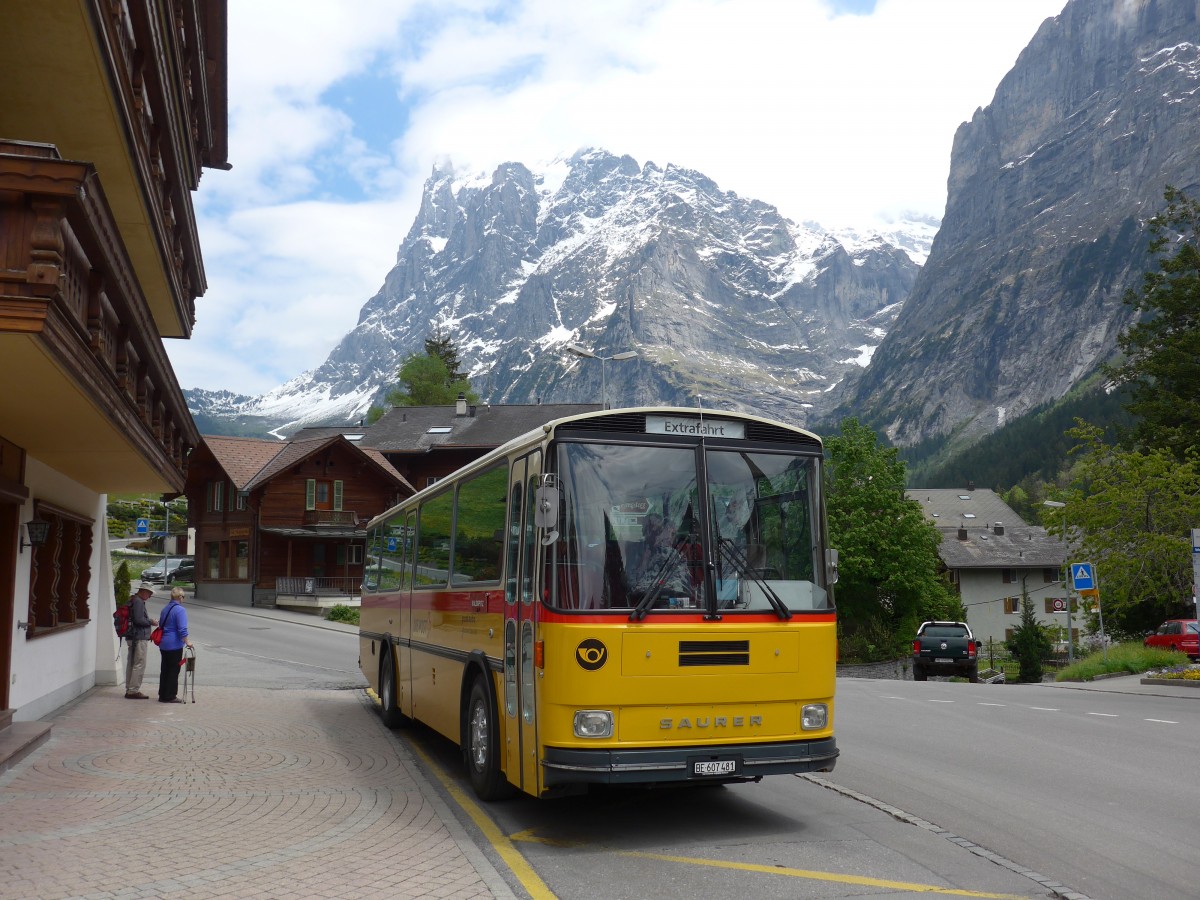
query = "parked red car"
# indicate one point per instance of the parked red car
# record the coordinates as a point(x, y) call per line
point(1177, 634)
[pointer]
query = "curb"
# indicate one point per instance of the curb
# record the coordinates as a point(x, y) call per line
point(1173, 682)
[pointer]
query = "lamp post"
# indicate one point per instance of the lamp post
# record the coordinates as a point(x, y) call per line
point(1066, 566)
point(584, 353)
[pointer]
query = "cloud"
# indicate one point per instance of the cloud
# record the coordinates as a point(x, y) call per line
point(338, 111)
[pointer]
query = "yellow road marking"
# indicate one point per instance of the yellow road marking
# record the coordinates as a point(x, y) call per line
point(539, 890)
point(822, 876)
point(522, 871)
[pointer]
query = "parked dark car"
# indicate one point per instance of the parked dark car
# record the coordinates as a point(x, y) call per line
point(945, 648)
point(1182, 635)
point(185, 572)
point(164, 571)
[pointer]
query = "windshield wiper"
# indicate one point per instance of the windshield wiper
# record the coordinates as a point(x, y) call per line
point(674, 558)
point(731, 551)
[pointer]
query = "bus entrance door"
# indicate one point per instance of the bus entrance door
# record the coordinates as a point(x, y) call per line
point(520, 606)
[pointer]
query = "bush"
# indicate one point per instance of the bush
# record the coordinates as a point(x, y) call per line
point(343, 613)
point(1123, 659)
point(121, 582)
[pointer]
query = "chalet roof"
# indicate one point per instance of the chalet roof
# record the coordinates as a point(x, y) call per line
point(241, 458)
point(419, 429)
point(289, 455)
point(952, 508)
point(1023, 546)
point(250, 462)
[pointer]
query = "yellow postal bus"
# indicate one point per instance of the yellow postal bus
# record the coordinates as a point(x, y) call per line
point(631, 596)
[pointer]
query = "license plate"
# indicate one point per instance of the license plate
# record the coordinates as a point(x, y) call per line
point(714, 767)
point(943, 659)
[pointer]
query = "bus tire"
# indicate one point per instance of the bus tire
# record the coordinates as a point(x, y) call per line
point(481, 750)
point(389, 711)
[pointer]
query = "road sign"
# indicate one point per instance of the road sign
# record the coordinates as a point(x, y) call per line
point(391, 545)
point(143, 526)
point(1082, 578)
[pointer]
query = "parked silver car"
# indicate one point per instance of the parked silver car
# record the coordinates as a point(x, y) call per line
point(164, 571)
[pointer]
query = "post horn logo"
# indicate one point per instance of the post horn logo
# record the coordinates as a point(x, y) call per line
point(591, 654)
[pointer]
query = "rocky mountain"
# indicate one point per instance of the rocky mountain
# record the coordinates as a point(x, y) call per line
point(720, 297)
point(1049, 190)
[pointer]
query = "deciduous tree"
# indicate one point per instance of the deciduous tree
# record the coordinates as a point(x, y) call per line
point(431, 378)
point(1131, 512)
point(890, 571)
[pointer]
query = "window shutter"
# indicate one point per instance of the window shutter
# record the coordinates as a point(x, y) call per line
point(341, 554)
point(337, 495)
point(310, 493)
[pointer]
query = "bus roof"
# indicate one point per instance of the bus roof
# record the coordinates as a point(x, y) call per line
point(551, 426)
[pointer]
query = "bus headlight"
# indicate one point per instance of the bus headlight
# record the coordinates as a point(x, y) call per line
point(814, 716)
point(593, 723)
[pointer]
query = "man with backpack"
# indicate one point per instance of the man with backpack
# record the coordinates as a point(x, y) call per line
point(138, 635)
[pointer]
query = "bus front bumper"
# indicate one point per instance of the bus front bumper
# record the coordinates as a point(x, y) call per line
point(732, 762)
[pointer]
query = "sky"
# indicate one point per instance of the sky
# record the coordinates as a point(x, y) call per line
point(840, 112)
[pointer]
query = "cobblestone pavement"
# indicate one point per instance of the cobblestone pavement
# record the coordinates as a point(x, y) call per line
point(246, 793)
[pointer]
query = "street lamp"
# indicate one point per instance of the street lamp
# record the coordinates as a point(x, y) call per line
point(588, 354)
point(1066, 569)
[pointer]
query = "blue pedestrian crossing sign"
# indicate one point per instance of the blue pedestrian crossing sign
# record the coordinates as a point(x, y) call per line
point(143, 526)
point(391, 545)
point(1082, 578)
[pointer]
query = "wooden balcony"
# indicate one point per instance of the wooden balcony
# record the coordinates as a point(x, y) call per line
point(330, 518)
point(137, 89)
point(92, 392)
point(317, 594)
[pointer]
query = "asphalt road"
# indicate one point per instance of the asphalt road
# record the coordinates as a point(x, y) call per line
point(1090, 789)
point(244, 649)
point(1097, 790)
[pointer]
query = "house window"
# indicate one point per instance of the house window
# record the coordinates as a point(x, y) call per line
point(354, 554)
point(242, 554)
point(1009, 576)
point(216, 494)
point(241, 501)
point(431, 480)
point(60, 571)
point(322, 494)
point(1049, 576)
point(212, 560)
point(1012, 605)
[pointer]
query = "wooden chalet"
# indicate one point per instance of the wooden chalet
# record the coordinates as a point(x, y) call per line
point(108, 114)
point(282, 524)
point(426, 443)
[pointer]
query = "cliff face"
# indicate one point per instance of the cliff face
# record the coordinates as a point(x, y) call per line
point(1048, 194)
point(720, 296)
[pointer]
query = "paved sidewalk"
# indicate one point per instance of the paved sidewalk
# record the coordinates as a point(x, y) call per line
point(1132, 684)
point(245, 793)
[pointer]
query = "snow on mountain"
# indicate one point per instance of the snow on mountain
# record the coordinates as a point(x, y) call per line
point(720, 296)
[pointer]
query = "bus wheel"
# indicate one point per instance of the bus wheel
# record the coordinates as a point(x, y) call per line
point(480, 748)
point(388, 710)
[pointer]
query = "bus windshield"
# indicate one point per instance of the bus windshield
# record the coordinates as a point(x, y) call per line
point(686, 528)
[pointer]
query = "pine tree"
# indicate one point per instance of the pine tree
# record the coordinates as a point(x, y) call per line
point(1029, 643)
point(1162, 350)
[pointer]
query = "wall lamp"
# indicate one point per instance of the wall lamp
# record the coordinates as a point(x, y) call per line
point(37, 530)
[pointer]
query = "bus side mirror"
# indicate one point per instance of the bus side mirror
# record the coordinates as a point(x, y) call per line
point(545, 510)
point(831, 566)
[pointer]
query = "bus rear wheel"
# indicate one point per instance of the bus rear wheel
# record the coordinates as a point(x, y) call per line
point(481, 747)
point(389, 711)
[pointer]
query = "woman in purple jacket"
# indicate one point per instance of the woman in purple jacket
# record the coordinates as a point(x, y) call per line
point(173, 621)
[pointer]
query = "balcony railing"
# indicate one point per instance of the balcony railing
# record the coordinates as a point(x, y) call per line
point(313, 586)
point(344, 518)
